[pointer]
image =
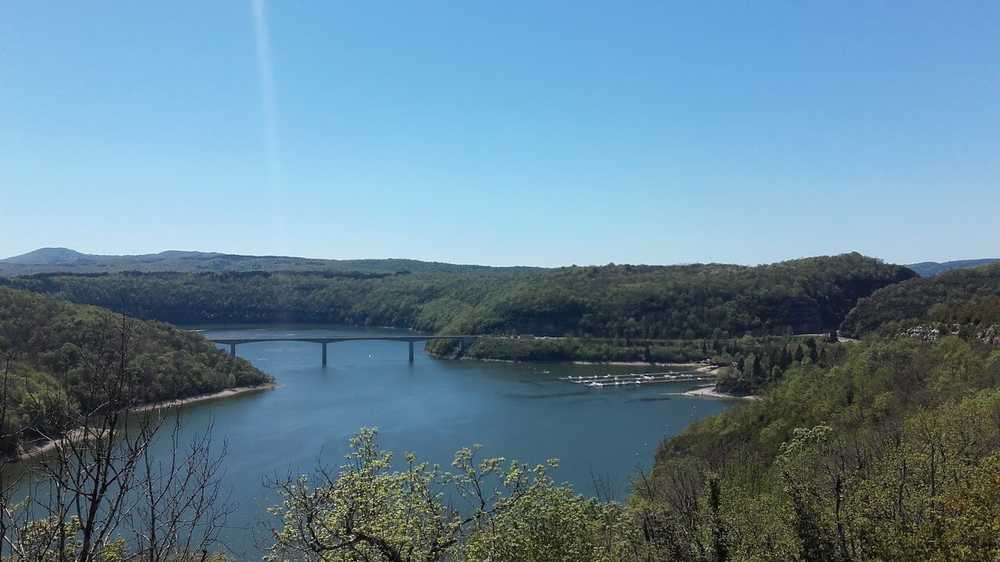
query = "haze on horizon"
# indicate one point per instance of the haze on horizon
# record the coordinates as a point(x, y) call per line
point(517, 134)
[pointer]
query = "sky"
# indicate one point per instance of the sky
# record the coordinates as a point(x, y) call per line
point(534, 133)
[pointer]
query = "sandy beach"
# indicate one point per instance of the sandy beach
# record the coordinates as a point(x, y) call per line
point(708, 369)
point(710, 392)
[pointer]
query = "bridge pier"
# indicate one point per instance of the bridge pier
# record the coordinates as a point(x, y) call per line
point(232, 349)
point(324, 353)
point(411, 352)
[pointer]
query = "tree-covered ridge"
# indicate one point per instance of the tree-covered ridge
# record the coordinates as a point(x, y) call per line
point(616, 301)
point(696, 301)
point(939, 298)
point(53, 353)
point(890, 454)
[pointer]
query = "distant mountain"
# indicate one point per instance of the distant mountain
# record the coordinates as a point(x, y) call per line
point(65, 260)
point(932, 268)
point(48, 256)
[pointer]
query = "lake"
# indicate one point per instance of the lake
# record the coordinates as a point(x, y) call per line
point(430, 407)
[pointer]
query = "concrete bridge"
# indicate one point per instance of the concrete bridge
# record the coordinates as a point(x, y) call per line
point(463, 341)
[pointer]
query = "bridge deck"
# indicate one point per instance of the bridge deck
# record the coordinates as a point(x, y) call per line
point(335, 339)
point(233, 342)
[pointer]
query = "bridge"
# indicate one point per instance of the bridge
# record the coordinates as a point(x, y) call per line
point(463, 341)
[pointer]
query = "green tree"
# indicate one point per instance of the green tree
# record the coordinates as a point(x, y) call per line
point(370, 511)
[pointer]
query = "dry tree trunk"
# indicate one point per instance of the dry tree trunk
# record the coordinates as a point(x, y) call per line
point(104, 488)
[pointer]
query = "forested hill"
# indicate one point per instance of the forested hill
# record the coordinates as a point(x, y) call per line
point(891, 454)
point(65, 260)
point(54, 347)
point(620, 301)
point(959, 296)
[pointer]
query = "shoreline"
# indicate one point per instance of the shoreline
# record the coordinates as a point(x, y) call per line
point(701, 367)
point(37, 450)
point(33, 451)
point(226, 393)
point(690, 364)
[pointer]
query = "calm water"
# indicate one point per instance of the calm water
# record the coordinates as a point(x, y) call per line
point(431, 407)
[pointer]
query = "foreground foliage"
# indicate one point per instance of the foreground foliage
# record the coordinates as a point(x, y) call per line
point(508, 512)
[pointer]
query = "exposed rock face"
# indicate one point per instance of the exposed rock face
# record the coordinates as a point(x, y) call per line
point(924, 333)
point(990, 335)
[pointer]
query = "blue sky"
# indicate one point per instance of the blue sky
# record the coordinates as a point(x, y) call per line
point(537, 133)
